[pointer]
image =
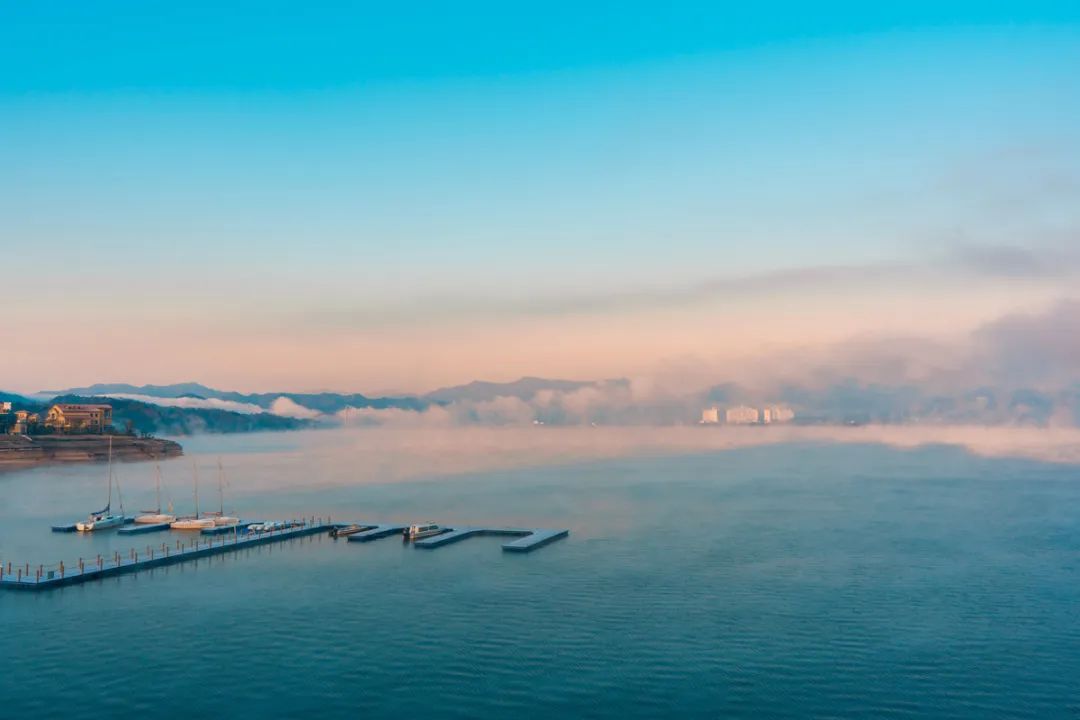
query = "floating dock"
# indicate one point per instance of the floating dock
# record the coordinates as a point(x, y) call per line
point(30, 578)
point(374, 531)
point(228, 538)
point(142, 529)
point(71, 528)
point(528, 539)
point(228, 529)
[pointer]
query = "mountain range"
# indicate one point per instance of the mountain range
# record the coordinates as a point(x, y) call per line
point(189, 407)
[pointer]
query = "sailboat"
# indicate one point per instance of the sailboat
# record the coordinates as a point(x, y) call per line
point(104, 518)
point(156, 516)
point(220, 518)
point(193, 523)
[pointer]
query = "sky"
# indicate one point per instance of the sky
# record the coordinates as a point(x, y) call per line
point(365, 197)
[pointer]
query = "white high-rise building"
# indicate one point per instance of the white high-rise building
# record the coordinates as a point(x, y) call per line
point(710, 416)
point(777, 414)
point(741, 415)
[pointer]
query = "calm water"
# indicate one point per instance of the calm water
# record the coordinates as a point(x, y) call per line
point(784, 581)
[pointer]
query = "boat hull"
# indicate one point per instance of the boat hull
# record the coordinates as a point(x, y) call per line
point(100, 523)
point(192, 524)
point(155, 519)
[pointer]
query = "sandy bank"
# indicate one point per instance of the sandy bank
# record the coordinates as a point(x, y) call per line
point(17, 451)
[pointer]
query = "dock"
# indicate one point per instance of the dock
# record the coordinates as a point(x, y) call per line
point(229, 538)
point(40, 578)
point(228, 529)
point(142, 529)
point(528, 539)
point(374, 531)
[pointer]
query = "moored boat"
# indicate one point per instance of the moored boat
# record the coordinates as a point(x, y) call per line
point(103, 519)
point(99, 521)
point(416, 532)
point(156, 517)
point(195, 522)
point(219, 517)
point(346, 531)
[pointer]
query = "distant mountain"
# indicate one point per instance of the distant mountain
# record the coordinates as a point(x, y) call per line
point(161, 420)
point(19, 402)
point(525, 388)
point(326, 403)
point(163, 391)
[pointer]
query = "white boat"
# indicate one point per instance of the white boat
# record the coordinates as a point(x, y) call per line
point(415, 532)
point(103, 519)
point(156, 517)
point(196, 522)
point(99, 521)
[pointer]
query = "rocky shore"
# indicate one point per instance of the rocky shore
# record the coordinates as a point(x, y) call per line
point(18, 451)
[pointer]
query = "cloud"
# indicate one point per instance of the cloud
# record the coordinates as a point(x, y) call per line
point(287, 407)
point(1035, 348)
point(1018, 369)
point(188, 402)
point(1003, 261)
point(959, 265)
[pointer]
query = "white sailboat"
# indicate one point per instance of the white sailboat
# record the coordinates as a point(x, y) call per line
point(103, 519)
point(193, 523)
point(156, 517)
point(220, 518)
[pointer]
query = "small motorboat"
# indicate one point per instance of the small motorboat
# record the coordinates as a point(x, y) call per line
point(346, 531)
point(416, 532)
point(266, 526)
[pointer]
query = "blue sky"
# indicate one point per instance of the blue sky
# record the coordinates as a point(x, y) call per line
point(247, 170)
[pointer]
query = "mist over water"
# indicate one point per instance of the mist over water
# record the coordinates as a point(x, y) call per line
point(708, 573)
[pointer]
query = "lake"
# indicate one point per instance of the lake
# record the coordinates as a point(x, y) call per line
point(786, 579)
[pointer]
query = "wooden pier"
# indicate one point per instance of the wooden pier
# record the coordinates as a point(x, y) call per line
point(27, 577)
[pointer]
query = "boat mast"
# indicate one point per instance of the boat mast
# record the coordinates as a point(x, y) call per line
point(108, 477)
point(221, 488)
point(120, 497)
point(157, 472)
point(195, 468)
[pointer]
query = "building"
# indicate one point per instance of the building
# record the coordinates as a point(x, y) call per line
point(710, 416)
point(777, 414)
point(25, 422)
point(73, 418)
point(5, 407)
point(741, 415)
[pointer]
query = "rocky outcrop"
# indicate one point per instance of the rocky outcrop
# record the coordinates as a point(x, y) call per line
point(19, 451)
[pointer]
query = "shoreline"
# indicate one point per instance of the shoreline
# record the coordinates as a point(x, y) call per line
point(18, 452)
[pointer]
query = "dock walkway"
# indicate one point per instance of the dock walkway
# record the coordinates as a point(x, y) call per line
point(29, 578)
